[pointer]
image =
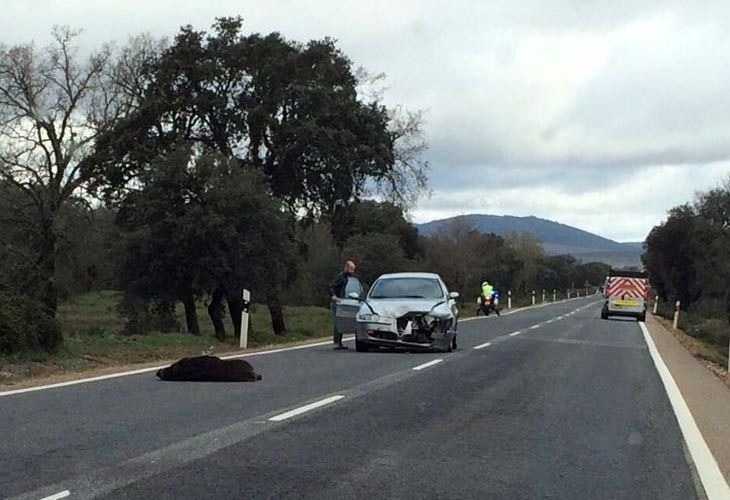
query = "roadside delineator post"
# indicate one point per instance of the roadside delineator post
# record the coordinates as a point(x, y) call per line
point(676, 315)
point(509, 299)
point(243, 341)
point(543, 295)
point(533, 297)
point(656, 304)
point(555, 295)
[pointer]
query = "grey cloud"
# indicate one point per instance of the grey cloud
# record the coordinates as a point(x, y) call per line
point(571, 101)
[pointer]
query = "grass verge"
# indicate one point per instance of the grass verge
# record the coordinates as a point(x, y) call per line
point(93, 339)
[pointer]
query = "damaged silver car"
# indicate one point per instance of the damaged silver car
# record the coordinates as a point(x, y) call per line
point(406, 310)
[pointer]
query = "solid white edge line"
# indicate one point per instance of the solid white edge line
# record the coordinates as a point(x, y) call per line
point(426, 365)
point(482, 346)
point(58, 496)
point(303, 409)
point(155, 368)
point(716, 488)
point(514, 334)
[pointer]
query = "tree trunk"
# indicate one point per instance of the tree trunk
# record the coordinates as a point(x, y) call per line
point(215, 311)
point(47, 264)
point(191, 315)
point(51, 338)
point(276, 312)
point(235, 308)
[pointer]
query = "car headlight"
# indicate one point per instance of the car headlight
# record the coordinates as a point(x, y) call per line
point(368, 317)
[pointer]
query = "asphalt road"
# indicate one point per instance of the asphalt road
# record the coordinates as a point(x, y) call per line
point(569, 407)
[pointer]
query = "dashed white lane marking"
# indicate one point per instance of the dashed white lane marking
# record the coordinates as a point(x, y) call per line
point(482, 346)
point(534, 327)
point(58, 496)
point(306, 408)
point(522, 309)
point(426, 365)
point(716, 488)
point(514, 334)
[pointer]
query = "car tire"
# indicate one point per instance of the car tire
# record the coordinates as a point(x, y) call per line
point(452, 345)
point(361, 346)
point(642, 318)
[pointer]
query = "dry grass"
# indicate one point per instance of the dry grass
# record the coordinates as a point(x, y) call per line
point(93, 339)
point(712, 356)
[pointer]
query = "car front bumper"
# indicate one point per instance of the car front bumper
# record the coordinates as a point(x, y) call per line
point(378, 334)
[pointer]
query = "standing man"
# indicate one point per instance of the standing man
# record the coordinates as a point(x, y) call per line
point(337, 291)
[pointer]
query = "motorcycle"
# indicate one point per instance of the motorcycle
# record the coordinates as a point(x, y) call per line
point(488, 305)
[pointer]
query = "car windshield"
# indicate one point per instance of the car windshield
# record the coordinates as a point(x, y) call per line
point(407, 288)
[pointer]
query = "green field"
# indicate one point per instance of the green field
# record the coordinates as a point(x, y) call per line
point(93, 337)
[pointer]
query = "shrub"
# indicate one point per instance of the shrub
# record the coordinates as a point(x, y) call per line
point(26, 325)
point(147, 316)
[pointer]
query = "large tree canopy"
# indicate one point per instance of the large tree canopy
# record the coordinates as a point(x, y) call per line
point(288, 109)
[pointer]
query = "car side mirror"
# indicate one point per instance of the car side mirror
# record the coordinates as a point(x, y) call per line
point(454, 295)
point(354, 295)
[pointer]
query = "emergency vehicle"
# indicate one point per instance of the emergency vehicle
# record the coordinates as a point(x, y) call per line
point(626, 294)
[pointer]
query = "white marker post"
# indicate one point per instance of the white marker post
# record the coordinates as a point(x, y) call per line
point(543, 295)
point(676, 315)
point(243, 343)
point(555, 295)
point(533, 297)
point(509, 299)
point(656, 304)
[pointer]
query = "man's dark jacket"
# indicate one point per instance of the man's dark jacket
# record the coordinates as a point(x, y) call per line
point(339, 285)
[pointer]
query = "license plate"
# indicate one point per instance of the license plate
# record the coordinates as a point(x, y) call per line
point(626, 303)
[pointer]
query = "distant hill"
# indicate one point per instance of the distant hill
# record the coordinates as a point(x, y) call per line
point(556, 238)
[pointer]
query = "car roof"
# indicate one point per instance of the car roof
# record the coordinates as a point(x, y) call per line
point(410, 275)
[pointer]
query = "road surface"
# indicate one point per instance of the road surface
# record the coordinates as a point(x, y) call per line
point(546, 403)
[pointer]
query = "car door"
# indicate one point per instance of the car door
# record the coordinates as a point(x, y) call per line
point(348, 308)
point(452, 304)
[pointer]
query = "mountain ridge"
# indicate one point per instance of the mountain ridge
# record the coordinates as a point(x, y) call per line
point(556, 238)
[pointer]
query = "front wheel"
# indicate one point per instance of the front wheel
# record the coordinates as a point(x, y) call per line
point(361, 346)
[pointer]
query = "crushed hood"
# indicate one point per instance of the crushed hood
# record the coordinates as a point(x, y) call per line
point(398, 308)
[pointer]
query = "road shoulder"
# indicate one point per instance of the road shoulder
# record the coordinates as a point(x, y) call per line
point(706, 395)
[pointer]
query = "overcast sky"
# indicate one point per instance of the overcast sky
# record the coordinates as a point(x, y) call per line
point(597, 114)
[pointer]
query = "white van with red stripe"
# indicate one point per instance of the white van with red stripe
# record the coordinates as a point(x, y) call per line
point(626, 293)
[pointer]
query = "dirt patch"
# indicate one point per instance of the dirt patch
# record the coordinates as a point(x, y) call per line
point(703, 352)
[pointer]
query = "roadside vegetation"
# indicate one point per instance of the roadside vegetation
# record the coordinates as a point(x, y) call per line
point(688, 259)
point(144, 187)
point(96, 336)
